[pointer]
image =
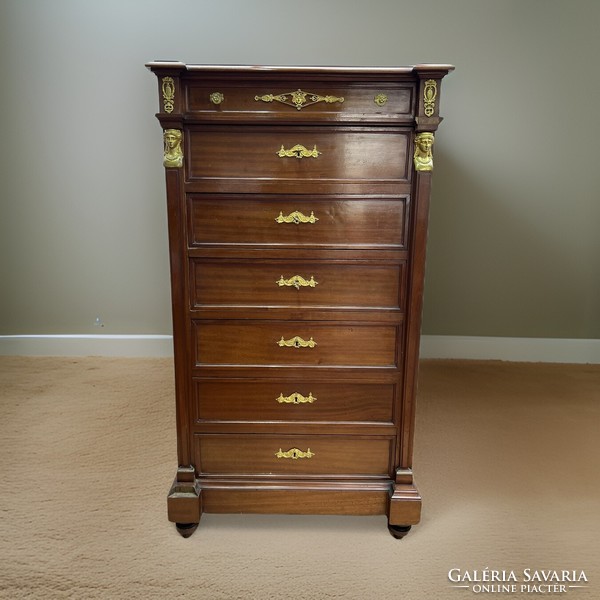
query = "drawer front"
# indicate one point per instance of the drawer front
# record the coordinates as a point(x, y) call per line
point(344, 221)
point(292, 455)
point(294, 343)
point(296, 284)
point(301, 153)
point(271, 100)
point(285, 400)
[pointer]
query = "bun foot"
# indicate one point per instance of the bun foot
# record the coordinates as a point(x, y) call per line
point(186, 529)
point(399, 531)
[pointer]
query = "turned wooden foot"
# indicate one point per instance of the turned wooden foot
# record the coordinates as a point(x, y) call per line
point(399, 531)
point(186, 529)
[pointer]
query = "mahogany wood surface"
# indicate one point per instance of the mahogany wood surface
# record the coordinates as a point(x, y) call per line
point(357, 104)
point(334, 456)
point(342, 222)
point(297, 234)
point(281, 400)
point(295, 501)
point(275, 283)
point(227, 153)
point(258, 343)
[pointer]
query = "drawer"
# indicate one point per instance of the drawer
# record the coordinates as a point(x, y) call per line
point(344, 221)
point(277, 283)
point(273, 100)
point(289, 400)
point(292, 455)
point(294, 343)
point(298, 154)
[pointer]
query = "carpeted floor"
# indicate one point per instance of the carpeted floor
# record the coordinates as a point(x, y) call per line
point(507, 458)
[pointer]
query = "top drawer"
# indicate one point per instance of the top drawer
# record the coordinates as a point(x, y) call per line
point(321, 101)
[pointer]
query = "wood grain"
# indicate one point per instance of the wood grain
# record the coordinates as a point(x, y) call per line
point(271, 283)
point(251, 152)
point(358, 102)
point(241, 400)
point(342, 221)
point(252, 454)
point(256, 343)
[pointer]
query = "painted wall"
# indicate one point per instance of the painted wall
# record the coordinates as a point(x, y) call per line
point(514, 248)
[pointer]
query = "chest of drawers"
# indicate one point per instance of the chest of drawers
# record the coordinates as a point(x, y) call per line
point(297, 204)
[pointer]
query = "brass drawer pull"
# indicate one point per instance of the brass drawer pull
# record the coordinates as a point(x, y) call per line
point(294, 453)
point(296, 217)
point(297, 281)
point(296, 398)
point(217, 97)
point(380, 99)
point(296, 342)
point(298, 99)
point(298, 151)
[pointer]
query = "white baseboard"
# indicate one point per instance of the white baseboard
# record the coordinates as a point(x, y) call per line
point(87, 345)
point(432, 346)
point(550, 350)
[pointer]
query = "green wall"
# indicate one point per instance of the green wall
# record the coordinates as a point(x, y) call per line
point(513, 248)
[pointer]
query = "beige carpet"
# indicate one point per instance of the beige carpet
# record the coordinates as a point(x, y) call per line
point(507, 458)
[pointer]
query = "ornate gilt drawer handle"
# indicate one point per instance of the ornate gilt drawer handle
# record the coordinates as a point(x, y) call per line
point(298, 99)
point(217, 97)
point(168, 92)
point(296, 217)
point(429, 95)
point(298, 151)
point(296, 342)
point(296, 398)
point(380, 99)
point(297, 281)
point(294, 453)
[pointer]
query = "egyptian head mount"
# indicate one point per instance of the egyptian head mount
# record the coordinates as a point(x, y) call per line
point(173, 156)
point(423, 157)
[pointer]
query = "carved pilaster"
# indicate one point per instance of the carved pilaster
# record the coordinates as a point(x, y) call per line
point(169, 89)
point(428, 100)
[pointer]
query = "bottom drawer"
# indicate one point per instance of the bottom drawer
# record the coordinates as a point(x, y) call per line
point(293, 454)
